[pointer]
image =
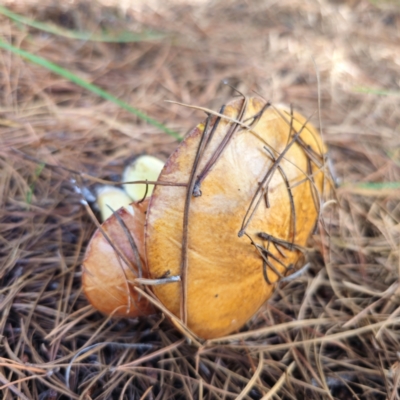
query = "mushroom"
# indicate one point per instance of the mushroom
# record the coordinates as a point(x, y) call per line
point(241, 224)
point(114, 261)
point(242, 200)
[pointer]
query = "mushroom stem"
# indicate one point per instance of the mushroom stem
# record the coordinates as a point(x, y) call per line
point(111, 198)
point(143, 168)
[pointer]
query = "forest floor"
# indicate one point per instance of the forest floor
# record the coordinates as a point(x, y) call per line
point(331, 333)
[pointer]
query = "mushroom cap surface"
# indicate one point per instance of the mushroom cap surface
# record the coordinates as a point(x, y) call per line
point(231, 268)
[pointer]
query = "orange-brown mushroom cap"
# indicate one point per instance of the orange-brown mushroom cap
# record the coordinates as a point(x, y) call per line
point(109, 270)
point(246, 229)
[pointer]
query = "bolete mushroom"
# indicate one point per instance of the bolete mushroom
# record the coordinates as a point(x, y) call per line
point(243, 198)
point(113, 262)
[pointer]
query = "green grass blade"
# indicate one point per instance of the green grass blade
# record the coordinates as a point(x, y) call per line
point(378, 185)
point(381, 92)
point(375, 189)
point(124, 37)
point(86, 85)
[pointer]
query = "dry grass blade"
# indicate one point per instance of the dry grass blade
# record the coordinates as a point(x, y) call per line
point(278, 385)
point(271, 329)
point(146, 393)
point(150, 356)
point(253, 379)
point(336, 337)
point(9, 385)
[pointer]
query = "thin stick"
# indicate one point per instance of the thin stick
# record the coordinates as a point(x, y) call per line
point(132, 243)
point(307, 129)
point(215, 126)
point(145, 193)
point(221, 147)
point(159, 183)
point(284, 243)
point(212, 112)
point(189, 192)
point(247, 218)
point(269, 254)
point(315, 194)
point(292, 206)
point(255, 118)
point(266, 261)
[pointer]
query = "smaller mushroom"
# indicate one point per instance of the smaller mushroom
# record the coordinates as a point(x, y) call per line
point(114, 261)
